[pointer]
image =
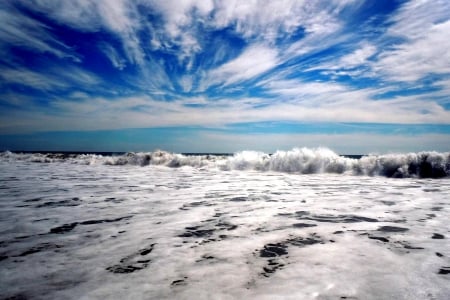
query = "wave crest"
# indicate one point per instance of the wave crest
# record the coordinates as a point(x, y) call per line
point(297, 160)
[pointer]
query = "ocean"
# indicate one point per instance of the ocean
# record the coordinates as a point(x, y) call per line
point(299, 224)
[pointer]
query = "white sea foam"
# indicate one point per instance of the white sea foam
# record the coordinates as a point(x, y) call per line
point(302, 161)
point(247, 226)
point(82, 231)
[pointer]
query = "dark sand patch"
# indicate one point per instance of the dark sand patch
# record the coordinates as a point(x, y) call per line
point(179, 282)
point(133, 262)
point(303, 225)
point(438, 236)
point(69, 227)
point(444, 271)
point(274, 251)
point(392, 229)
point(379, 238)
point(39, 248)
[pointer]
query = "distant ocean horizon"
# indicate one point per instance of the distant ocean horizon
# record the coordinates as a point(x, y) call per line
point(112, 153)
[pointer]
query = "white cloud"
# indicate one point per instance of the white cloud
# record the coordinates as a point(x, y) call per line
point(267, 20)
point(424, 27)
point(186, 82)
point(32, 79)
point(123, 19)
point(415, 17)
point(333, 102)
point(264, 21)
point(253, 62)
point(111, 53)
point(443, 91)
point(264, 18)
point(419, 57)
point(179, 28)
point(59, 78)
point(354, 64)
point(81, 14)
point(183, 22)
point(356, 58)
point(318, 102)
point(23, 31)
point(119, 17)
point(299, 90)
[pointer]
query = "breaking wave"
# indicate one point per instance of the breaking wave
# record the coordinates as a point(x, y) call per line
point(298, 160)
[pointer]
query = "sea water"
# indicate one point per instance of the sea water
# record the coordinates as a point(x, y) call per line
point(301, 224)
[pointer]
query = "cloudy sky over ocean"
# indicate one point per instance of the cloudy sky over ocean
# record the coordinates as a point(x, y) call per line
point(223, 76)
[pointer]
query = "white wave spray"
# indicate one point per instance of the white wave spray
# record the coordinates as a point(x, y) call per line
point(297, 160)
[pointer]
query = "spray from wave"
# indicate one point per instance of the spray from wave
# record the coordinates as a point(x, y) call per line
point(298, 160)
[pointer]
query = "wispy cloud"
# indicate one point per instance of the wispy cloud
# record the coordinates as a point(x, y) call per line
point(19, 30)
point(355, 63)
point(117, 17)
point(321, 104)
point(253, 62)
point(420, 46)
point(334, 102)
point(419, 56)
point(414, 18)
point(31, 79)
point(55, 78)
point(116, 60)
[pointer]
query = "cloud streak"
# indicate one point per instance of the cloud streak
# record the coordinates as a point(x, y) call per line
point(253, 62)
point(19, 30)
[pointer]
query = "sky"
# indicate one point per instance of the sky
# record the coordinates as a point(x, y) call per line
point(223, 76)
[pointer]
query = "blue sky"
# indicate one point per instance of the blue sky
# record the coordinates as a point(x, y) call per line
point(224, 76)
